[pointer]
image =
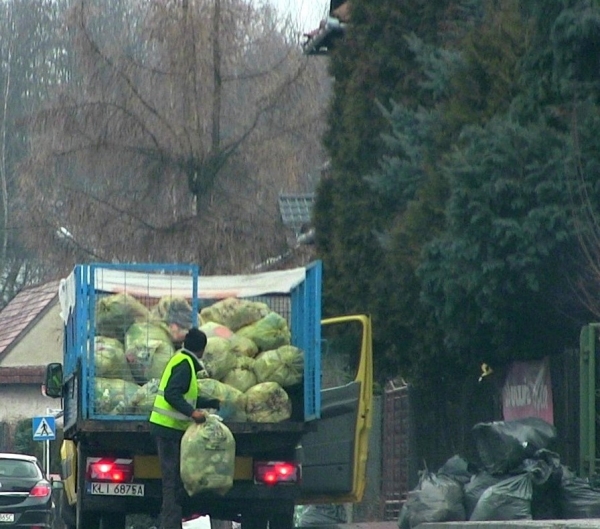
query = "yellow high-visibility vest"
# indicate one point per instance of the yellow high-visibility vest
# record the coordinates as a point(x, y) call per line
point(163, 413)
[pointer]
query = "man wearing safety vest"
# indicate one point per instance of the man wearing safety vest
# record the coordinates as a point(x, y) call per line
point(176, 405)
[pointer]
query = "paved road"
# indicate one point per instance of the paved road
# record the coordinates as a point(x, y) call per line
point(523, 524)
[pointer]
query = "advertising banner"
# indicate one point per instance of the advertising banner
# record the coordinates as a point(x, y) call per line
point(527, 391)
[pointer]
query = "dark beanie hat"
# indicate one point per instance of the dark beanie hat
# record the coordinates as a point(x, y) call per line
point(195, 340)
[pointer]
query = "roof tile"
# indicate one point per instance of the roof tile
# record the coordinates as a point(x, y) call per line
point(22, 310)
point(22, 375)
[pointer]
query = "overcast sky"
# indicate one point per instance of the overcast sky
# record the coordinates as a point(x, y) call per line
point(308, 13)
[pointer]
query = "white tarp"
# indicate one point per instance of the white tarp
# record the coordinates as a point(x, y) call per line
point(66, 296)
point(209, 287)
point(159, 285)
point(245, 286)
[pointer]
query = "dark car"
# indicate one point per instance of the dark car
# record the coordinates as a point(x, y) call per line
point(25, 494)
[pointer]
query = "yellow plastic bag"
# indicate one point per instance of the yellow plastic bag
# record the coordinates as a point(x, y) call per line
point(207, 457)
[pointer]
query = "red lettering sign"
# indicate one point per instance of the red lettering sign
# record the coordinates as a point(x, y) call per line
point(527, 391)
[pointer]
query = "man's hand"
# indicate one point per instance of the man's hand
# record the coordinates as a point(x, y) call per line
point(199, 416)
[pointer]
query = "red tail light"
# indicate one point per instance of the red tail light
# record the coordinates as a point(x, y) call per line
point(110, 470)
point(41, 490)
point(274, 472)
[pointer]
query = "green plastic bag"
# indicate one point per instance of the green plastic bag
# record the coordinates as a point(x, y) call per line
point(116, 313)
point(242, 346)
point(148, 349)
point(284, 365)
point(143, 400)
point(268, 402)
point(268, 333)
point(234, 313)
point(242, 376)
point(113, 395)
point(218, 358)
point(109, 357)
point(232, 401)
point(207, 457)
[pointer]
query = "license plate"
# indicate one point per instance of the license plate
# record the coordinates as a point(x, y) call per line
point(7, 517)
point(115, 489)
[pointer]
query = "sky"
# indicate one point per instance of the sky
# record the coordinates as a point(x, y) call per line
point(308, 13)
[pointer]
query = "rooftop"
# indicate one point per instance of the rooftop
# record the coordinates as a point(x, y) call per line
point(23, 311)
point(296, 210)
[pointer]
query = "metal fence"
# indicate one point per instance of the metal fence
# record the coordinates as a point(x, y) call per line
point(396, 453)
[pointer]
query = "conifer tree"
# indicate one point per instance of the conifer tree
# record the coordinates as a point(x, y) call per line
point(374, 64)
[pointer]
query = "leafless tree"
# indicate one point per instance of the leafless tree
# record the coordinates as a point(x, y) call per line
point(181, 123)
point(30, 64)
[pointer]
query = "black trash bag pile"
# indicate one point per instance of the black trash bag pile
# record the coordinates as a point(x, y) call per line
point(503, 445)
point(577, 497)
point(437, 498)
point(517, 477)
point(476, 486)
point(509, 499)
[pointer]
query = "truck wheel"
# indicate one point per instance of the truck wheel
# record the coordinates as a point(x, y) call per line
point(115, 520)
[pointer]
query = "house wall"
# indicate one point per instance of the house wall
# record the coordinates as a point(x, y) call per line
point(22, 401)
point(41, 345)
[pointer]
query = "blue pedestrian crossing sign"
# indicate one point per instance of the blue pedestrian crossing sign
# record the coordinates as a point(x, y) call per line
point(44, 428)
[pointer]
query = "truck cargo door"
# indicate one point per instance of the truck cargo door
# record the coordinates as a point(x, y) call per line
point(334, 451)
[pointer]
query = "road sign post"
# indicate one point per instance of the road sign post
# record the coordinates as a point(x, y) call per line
point(44, 429)
point(47, 458)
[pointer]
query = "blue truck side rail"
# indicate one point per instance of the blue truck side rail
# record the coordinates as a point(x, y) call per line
point(306, 335)
point(90, 283)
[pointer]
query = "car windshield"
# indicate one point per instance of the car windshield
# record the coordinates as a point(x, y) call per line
point(18, 469)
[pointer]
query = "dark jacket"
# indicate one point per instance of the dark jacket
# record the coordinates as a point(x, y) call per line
point(177, 386)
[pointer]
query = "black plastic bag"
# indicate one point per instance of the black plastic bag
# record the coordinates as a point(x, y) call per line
point(578, 499)
point(478, 484)
point(509, 499)
point(546, 474)
point(437, 498)
point(403, 521)
point(503, 445)
point(322, 514)
point(458, 468)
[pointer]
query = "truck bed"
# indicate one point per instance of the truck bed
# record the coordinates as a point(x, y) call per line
point(135, 435)
point(143, 426)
